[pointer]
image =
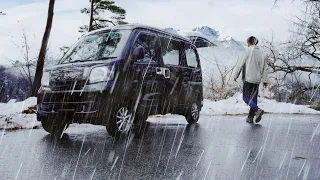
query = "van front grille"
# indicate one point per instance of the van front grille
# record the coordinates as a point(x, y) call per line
point(67, 85)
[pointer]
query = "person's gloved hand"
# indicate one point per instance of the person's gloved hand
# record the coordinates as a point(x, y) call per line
point(265, 85)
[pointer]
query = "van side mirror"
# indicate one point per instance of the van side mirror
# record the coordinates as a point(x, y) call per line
point(138, 53)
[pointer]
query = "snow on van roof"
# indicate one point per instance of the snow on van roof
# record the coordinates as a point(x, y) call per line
point(140, 26)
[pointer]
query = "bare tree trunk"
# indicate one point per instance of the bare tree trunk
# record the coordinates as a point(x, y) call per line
point(43, 50)
point(91, 16)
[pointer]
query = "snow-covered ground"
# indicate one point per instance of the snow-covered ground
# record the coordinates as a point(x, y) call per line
point(236, 106)
point(12, 118)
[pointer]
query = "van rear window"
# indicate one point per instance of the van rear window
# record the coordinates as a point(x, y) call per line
point(191, 57)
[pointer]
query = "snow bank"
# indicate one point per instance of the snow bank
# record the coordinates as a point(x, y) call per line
point(12, 118)
point(13, 107)
point(19, 121)
point(236, 106)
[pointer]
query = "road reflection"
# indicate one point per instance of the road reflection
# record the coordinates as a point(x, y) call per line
point(164, 150)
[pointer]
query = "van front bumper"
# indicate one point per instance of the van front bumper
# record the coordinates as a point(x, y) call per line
point(77, 106)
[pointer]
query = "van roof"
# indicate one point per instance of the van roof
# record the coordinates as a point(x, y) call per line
point(140, 26)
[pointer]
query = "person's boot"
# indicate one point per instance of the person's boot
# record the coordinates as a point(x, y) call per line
point(249, 120)
point(258, 115)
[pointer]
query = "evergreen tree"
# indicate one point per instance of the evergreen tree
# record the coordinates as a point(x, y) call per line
point(97, 20)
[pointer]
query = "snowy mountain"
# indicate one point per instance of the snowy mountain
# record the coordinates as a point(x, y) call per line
point(229, 42)
point(171, 30)
point(214, 36)
point(207, 31)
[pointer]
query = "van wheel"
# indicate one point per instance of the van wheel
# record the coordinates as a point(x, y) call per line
point(121, 121)
point(193, 113)
point(54, 126)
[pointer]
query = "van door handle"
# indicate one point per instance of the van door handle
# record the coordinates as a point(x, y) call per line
point(163, 71)
point(159, 70)
point(166, 73)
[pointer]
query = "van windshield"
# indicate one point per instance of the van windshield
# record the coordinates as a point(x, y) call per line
point(98, 46)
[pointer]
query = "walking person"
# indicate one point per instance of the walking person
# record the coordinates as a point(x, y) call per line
point(253, 66)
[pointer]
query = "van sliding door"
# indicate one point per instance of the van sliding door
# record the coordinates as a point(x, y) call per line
point(192, 75)
point(171, 57)
point(148, 84)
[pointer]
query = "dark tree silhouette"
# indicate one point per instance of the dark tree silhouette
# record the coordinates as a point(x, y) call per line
point(43, 50)
point(96, 10)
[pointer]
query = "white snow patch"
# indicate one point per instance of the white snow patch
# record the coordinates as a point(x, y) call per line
point(12, 118)
point(13, 107)
point(19, 121)
point(235, 105)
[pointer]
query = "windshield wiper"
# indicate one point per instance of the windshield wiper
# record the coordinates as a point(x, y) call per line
point(78, 60)
point(104, 58)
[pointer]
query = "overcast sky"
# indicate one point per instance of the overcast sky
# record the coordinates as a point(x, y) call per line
point(236, 18)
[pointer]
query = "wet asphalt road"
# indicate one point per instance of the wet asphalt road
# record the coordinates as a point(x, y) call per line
point(218, 147)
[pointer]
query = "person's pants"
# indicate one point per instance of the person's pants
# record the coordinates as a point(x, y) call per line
point(250, 96)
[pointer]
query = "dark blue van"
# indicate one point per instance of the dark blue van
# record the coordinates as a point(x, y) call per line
point(117, 77)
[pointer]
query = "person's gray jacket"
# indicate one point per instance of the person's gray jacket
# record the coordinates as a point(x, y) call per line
point(255, 62)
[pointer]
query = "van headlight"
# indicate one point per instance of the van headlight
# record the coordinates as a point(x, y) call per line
point(45, 79)
point(101, 74)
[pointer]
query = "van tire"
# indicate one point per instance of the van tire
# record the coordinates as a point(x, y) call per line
point(192, 113)
point(54, 126)
point(120, 121)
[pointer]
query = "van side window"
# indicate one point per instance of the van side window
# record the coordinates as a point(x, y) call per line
point(191, 57)
point(170, 51)
point(151, 47)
